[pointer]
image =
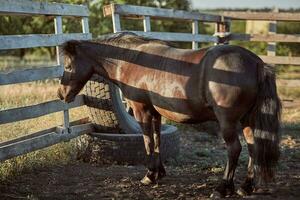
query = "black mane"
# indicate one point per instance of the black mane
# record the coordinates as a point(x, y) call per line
point(128, 39)
point(122, 39)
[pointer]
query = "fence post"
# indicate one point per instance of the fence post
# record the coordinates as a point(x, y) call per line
point(271, 49)
point(85, 25)
point(222, 31)
point(60, 61)
point(146, 23)
point(195, 31)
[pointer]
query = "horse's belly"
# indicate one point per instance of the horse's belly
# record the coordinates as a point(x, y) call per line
point(189, 115)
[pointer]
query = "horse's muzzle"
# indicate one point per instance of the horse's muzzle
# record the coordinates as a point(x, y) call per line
point(59, 94)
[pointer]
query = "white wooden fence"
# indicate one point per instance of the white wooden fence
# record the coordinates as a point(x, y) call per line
point(54, 135)
point(222, 28)
point(148, 13)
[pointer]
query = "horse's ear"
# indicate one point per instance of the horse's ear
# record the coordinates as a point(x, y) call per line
point(70, 47)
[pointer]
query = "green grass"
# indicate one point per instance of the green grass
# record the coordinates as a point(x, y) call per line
point(9, 63)
point(289, 92)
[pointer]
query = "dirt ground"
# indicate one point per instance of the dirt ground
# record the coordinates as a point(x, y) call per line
point(193, 175)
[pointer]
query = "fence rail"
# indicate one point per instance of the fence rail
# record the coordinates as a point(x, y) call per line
point(158, 13)
point(33, 111)
point(38, 40)
point(28, 75)
point(266, 38)
point(41, 140)
point(50, 136)
point(25, 7)
point(222, 27)
point(266, 16)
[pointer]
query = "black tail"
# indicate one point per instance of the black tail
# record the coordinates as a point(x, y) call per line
point(266, 123)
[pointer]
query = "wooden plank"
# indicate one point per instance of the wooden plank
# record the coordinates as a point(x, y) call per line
point(58, 30)
point(147, 24)
point(284, 60)
point(85, 25)
point(52, 129)
point(25, 7)
point(266, 38)
point(33, 111)
point(38, 40)
point(182, 37)
point(116, 23)
point(195, 31)
point(269, 16)
point(40, 140)
point(28, 75)
point(271, 48)
point(60, 57)
point(157, 13)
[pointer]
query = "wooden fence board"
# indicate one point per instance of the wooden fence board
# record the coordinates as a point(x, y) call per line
point(28, 75)
point(158, 13)
point(266, 38)
point(269, 16)
point(285, 60)
point(182, 37)
point(33, 111)
point(25, 7)
point(39, 40)
point(40, 140)
point(52, 129)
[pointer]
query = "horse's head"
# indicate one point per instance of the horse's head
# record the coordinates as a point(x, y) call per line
point(78, 70)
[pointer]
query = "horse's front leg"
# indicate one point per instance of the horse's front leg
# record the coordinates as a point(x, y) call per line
point(144, 118)
point(156, 125)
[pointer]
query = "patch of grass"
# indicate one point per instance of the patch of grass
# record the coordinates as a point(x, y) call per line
point(288, 92)
point(9, 63)
point(28, 94)
point(289, 75)
point(291, 118)
point(55, 155)
point(287, 69)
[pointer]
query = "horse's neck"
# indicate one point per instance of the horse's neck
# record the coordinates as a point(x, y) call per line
point(111, 59)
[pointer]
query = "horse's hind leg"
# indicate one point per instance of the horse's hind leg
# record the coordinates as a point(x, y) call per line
point(230, 135)
point(248, 186)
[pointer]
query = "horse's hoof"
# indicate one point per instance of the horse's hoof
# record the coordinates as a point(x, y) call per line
point(161, 174)
point(216, 195)
point(147, 181)
point(241, 192)
point(225, 189)
point(246, 188)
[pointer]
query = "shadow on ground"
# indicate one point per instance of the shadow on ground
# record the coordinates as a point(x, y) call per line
point(193, 175)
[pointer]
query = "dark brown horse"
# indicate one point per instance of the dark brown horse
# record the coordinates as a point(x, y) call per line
point(224, 83)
